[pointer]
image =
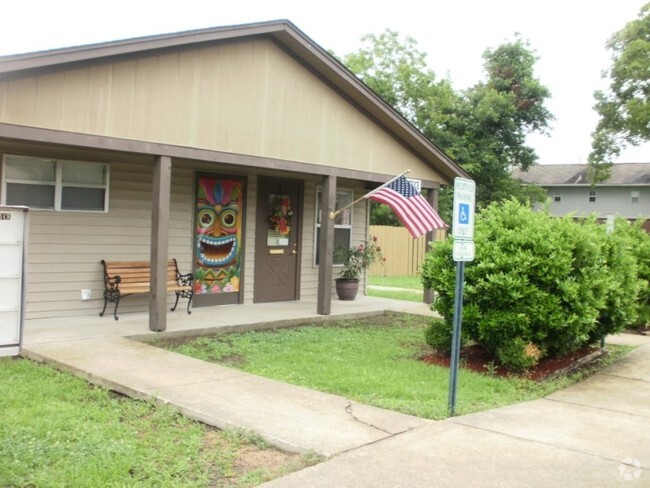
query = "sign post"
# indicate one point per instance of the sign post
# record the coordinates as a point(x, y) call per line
point(463, 234)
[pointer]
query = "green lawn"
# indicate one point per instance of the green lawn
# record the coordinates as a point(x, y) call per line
point(409, 282)
point(401, 294)
point(57, 430)
point(408, 288)
point(373, 361)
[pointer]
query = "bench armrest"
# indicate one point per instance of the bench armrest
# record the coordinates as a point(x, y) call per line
point(185, 279)
point(111, 282)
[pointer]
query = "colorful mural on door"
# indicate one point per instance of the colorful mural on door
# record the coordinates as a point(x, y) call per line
point(219, 217)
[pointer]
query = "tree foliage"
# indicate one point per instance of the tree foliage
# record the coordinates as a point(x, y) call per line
point(624, 109)
point(484, 127)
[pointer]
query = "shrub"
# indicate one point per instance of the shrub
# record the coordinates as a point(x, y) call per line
point(536, 280)
point(638, 243)
point(517, 355)
point(623, 286)
point(438, 335)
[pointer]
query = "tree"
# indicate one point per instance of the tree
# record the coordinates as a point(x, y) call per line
point(382, 214)
point(624, 109)
point(483, 128)
point(397, 72)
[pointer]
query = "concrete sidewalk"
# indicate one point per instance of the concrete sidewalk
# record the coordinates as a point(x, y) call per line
point(591, 434)
point(293, 418)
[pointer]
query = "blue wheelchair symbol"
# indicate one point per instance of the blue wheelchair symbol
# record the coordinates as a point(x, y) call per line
point(463, 213)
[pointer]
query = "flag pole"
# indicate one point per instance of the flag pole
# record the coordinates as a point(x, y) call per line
point(333, 215)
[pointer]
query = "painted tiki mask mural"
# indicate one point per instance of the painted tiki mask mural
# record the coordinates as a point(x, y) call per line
point(219, 217)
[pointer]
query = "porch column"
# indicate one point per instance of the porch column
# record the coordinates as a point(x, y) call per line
point(326, 246)
point(432, 198)
point(162, 173)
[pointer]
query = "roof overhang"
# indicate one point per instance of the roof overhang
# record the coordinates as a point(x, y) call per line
point(19, 136)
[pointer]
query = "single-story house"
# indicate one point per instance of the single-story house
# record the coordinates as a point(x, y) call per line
point(224, 148)
point(626, 193)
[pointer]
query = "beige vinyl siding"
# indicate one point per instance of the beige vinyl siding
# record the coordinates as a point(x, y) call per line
point(249, 97)
point(309, 278)
point(65, 248)
point(308, 273)
point(249, 239)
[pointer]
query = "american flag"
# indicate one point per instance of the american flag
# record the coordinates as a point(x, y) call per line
point(417, 215)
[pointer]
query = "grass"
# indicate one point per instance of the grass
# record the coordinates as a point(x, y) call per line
point(404, 295)
point(407, 288)
point(409, 282)
point(57, 430)
point(373, 361)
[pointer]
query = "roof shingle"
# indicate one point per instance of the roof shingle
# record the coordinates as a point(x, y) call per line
point(576, 174)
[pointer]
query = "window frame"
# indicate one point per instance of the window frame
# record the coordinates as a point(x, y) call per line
point(592, 196)
point(58, 183)
point(557, 196)
point(317, 220)
point(635, 197)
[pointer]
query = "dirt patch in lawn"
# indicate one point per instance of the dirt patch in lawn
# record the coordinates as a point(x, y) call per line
point(249, 461)
point(477, 359)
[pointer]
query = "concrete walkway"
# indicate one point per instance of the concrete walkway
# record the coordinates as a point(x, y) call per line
point(595, 433)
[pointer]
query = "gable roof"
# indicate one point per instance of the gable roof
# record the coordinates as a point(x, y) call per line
point(576, 175)
point(284, 33)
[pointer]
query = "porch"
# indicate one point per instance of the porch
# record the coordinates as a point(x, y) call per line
point(209, 320)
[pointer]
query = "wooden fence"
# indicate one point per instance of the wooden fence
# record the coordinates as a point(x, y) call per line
point(404, 255)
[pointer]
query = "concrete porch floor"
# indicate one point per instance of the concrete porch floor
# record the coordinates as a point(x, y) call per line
point(206, 320)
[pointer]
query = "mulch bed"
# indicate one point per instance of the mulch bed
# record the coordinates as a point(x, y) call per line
point(476, 359)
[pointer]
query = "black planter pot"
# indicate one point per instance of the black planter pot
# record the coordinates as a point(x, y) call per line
point(347, 289)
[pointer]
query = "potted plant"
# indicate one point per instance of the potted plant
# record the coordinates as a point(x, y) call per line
point(357, 260)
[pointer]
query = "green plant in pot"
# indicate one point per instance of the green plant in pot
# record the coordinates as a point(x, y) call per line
point(357, 259)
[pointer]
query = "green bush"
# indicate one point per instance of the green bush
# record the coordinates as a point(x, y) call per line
point(621, 304)
point(551, 282)
point(517, 355)
point(438, 335)
point(638, 243)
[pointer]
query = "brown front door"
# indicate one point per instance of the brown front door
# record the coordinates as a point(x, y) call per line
point(277, 239)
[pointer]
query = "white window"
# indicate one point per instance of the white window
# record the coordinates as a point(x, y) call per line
point(55, 184)
point(342, 224)
point(592, 195)
point(557, 196)
point(635, 196)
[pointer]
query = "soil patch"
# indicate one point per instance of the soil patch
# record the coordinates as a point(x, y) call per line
point(475, 358)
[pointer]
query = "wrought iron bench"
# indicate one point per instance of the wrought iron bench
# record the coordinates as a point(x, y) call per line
point(122, 278)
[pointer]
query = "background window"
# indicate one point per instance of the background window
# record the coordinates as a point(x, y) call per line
point(635, 195)
point(592, 195)
point(53, 184)
point(342, 224)
point(557, 196)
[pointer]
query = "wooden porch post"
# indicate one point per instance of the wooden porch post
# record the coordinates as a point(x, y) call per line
point(162, 172)
point(432, 198)
point(326, 246)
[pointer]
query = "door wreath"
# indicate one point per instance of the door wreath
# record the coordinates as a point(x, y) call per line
point(281, 215)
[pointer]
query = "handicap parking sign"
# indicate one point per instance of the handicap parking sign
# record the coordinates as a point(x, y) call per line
point(463, 213)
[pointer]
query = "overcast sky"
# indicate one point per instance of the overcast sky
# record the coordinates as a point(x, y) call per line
point(568, 36)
